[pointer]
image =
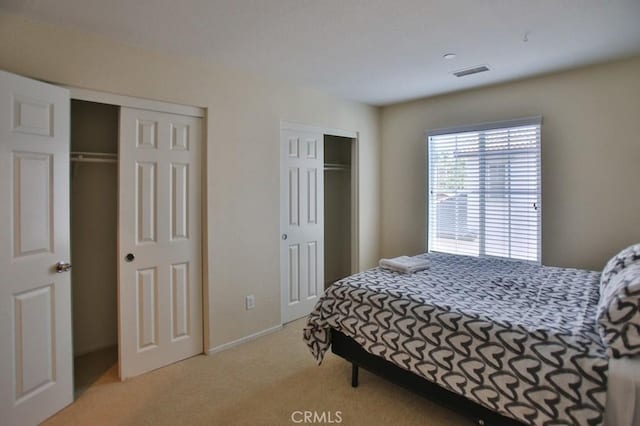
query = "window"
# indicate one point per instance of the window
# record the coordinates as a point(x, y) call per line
point(484, 190)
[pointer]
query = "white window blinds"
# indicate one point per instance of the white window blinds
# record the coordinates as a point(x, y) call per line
point(485, 191)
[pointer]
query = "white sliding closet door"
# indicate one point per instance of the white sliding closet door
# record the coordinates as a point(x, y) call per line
point(36, 366)
point(301, 222)
point(160, 261)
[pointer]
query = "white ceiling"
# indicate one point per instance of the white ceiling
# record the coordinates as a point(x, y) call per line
point(373, 51)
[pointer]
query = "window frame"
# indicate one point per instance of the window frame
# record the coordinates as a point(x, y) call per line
point(484, 178)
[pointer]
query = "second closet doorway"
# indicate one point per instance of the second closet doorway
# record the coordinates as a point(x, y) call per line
point(136, 235)
point(94, 233)
point(318, 213)
point(337, 208)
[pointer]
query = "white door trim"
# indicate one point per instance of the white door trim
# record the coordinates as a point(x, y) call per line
point(288, 125)
point(355, 204)
point(132, 102)
point(355, 188)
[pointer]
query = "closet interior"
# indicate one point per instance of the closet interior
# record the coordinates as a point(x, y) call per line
point(337, 208)
point(94, 212)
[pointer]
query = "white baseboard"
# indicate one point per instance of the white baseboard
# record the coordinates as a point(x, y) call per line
point(242, 340)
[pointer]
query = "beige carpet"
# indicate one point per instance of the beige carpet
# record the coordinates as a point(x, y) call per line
point(94, 368)
point(261, 382)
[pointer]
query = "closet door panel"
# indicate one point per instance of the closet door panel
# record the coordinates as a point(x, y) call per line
point(179, 136)
point(33, 209)
point(146, 205)
point(147, 134)
point(293, 273)
point(35, 340)
point(301, 221)
point(312, 269)
point(147, 308)
point(180, 303)
point(312, 196)
point(160, 202)
point(293, 196)
point(179, 201)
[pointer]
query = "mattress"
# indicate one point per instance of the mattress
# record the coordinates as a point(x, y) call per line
point(515, 337)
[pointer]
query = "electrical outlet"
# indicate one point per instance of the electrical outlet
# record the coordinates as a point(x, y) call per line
point(250, 301)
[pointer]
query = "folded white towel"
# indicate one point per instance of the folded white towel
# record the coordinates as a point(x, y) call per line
point(405, 264)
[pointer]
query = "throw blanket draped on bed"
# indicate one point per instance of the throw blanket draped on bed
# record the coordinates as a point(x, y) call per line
point(515, 337)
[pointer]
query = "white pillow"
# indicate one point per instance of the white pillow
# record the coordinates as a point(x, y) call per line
point(617, 263)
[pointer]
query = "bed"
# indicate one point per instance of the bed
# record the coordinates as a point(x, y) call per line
point(516, 338)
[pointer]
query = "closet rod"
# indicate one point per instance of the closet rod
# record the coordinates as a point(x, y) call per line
point(93, 157)
point(96, 154)
point(94, 160)
point(336, 167)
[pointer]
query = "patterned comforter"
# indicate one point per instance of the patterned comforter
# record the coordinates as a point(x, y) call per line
point(515, 337)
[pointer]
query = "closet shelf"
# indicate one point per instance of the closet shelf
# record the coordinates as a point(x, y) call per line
point(93, 157)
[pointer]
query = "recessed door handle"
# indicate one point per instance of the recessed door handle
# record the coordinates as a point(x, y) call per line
point(63, 266)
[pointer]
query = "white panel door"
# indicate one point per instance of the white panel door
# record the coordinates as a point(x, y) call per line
point(160, 261)
point(36, 365)
point(301, 222)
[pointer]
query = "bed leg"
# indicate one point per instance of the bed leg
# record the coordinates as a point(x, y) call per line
point(354, 375)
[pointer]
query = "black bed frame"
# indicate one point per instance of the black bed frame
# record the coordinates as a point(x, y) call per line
point(348, 349)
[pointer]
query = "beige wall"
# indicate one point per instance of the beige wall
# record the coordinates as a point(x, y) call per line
point(244, 114)
point(590, 159)
point(591, 151)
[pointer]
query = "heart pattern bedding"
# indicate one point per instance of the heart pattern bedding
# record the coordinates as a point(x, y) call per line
point(516, 337)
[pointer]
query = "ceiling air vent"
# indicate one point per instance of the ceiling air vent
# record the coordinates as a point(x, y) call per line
point(469, 71)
